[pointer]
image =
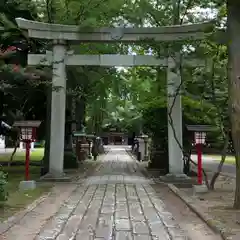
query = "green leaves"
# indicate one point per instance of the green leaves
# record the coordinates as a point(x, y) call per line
point(3, 191)
point(114, 94)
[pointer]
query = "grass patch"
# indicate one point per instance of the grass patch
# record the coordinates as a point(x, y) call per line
point(35, 155)
point(228, 160)
point(17, 200)
point(17, 174)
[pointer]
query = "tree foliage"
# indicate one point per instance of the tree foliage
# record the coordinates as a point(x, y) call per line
point(130, 98)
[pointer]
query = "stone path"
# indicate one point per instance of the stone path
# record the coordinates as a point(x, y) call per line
point(116, 203)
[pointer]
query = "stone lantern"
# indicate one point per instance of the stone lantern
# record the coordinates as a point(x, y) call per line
point(143, 147)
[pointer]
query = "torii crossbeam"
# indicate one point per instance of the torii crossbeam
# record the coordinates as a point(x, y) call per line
point(60, 58)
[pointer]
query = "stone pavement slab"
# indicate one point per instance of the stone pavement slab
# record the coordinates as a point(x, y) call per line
point(116, 203)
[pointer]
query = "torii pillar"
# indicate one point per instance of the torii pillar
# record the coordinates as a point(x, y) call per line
point(174, 109)
point(58, 106)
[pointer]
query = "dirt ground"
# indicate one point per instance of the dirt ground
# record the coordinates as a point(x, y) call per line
point(218, 204)
point(188, 220)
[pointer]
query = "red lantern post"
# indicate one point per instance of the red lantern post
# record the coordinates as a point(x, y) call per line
point(200, 138)
point(28, 135)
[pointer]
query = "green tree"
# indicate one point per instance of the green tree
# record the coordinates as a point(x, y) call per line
point(233, 24)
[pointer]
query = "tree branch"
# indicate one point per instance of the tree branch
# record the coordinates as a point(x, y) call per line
point(189, 5)
point(170, 120)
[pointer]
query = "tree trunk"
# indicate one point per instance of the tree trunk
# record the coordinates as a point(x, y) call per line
point(233, 32)
point(80, 113)
point(14, 152)
point(45, 168)
point(1, 104)
point(68, 125)
point(223, 158)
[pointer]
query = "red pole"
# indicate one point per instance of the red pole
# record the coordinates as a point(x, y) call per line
point(199, 157)
point(28, 146)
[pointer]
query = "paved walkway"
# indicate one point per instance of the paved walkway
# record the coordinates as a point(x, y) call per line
point(116, 203)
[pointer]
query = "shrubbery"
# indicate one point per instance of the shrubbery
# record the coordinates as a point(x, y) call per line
point(3, 190)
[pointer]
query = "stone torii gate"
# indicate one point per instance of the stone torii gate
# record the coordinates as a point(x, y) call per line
point(60, 57)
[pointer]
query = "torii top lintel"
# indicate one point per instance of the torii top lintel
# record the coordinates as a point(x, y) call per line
point(75, 33)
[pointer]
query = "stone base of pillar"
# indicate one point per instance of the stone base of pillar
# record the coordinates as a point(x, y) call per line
point(50, 177)
point(181, 179)
point(27, 185)
point(198, 189)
